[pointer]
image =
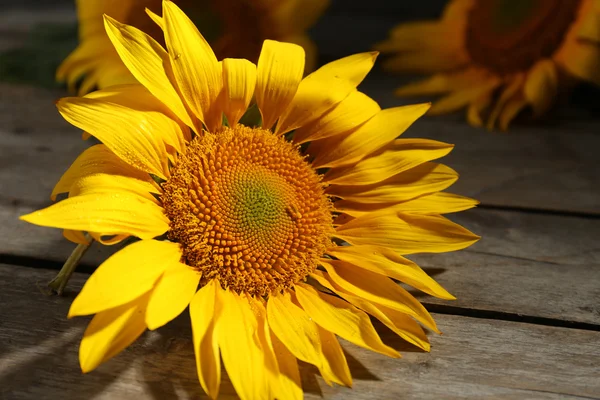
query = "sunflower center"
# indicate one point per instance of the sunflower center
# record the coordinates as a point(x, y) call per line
point(508, 36)
point(248, 210)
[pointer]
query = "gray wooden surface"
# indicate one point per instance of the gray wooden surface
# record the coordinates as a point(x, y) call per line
point(526, 322)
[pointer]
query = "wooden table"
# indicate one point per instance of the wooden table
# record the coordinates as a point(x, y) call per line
point(526, 324)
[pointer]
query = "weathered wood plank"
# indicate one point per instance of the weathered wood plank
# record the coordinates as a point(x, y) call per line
point(475, 358)
point(538, 265)
point(516, 277)
point(530, 264)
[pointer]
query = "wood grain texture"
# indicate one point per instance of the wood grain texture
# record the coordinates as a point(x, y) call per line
point(474, 359)
point(528, 264)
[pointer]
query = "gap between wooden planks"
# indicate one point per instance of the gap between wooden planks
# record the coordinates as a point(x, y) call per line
point(474, 358)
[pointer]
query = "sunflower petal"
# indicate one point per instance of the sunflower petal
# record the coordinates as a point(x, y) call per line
point(94, 160)
point(204, 313)
point(377, 289)
point(171, 294)
point(401, 155)
point(111, 285)
point(278, 74)
point(349, 114)
point(108, 183)
point(400, 323)
point(240, 350)
point(376, 133)
point(407, 233)
point(290, 385)
point(263, 335)
point(384, 261)
point(462, 98)
point(341, 318)
point(111, 331)
point(295, 329)
point(425, 179)
point(581, 59)
point(105, 213)
point(541, 86)
point(239, 80)
point(195, 65)
point(341, 77)
point(137, 137)
point(335, 365)
point(146, 59)
point(435, 203)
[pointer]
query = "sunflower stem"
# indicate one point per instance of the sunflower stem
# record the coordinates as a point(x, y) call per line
point(60, 281)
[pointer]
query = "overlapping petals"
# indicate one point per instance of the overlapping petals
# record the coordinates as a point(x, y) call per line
point(385, 194)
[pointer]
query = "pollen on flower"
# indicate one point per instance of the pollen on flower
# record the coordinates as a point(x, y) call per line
point(247, 209)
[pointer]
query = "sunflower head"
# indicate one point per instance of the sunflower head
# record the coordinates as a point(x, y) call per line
point(278, 236)
point(248, 210)
point(499, 58)
point(235, 28)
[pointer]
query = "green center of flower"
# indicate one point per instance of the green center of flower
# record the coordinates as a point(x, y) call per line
point(248, 210)
point(508, 36)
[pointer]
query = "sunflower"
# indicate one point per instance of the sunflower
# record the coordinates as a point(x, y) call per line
point(499, 57)
point(235, 28)
point(279, 236)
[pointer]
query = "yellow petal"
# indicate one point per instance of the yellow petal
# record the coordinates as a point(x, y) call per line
point(407, 233)
point(108, 183)
point(171, 294)
point(513, 89)
point(204, 313)
point(263, 335)
point(146, 60)
point(279, 72)
point(377, 289)
point(424, 179)
point(581, 59)
point(125, 276)
point(590, 25)
point(435, 203)
point(541, 86)
point(376, 133)
point(384, 261)
point(426, 62)
point(512, 108)
point(400, 323)
point(137, 97)
point(340, 77)
point(157, 19)
point(137, 137)
point(444, 82)
point(335, 365)
point(341, 318)
point(75, 236)
point(290, 385)
point(94, 160)
point(105, 213)
point(195, 66)
point(295, 329)
point(239, 343)
point(462, 98)
point(413, 36)
point(110, 331)
point(239, 80)
point(399, 156)
point(349, 114)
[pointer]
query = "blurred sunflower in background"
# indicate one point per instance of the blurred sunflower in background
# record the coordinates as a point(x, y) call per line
point(278, 236)
point(235, 28)
point(498, 58)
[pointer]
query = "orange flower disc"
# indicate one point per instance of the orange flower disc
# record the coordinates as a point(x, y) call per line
point(248, 209)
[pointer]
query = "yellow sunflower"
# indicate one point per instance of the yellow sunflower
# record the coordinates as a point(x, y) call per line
point(278, 237)
point(235, 28)
point(499, 57)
